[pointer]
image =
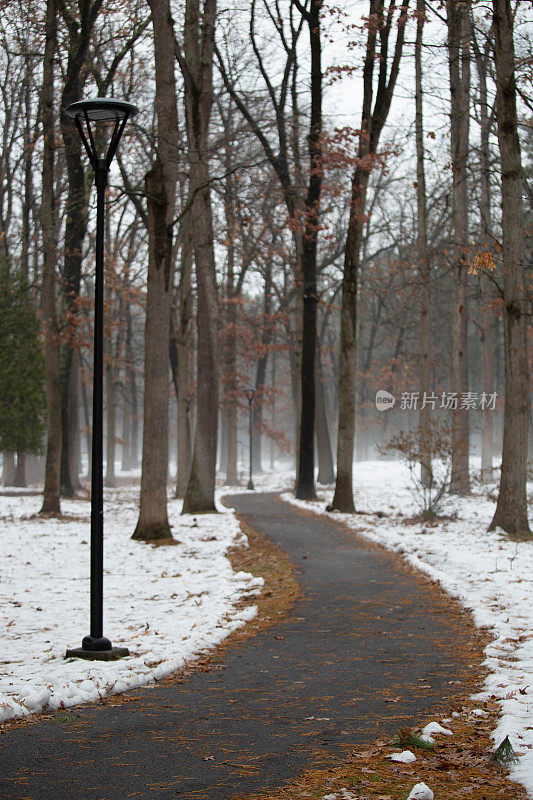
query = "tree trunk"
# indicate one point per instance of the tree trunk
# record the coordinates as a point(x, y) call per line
point(197, 67)
point(8, 470)
point(511, 509)
point(111, 398)
point(273, 410)
point(373, 121)
point(20, 471)
point(51, 504)
point(88, 428)
point(27, 203)
point(232, 477)
point(305, 484)
point(261, 371)
point(423, 257)
point(160, 188)
point(326, 469)
point(487, 315)
point(75, 230)
point(130, 451)
point(459, 66)
point(184, 364)
point(343, 497)
point(126, 394)
point(153, 520)
point(230, 349)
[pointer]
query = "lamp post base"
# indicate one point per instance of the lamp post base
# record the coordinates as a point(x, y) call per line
point(98, 655)
point(250, 484)
point(97, 649)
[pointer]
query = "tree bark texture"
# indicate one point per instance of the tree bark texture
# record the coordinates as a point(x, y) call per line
point(230, 342)
point(459, 32)
point(305, 485)
point(423, 256)
point(184, 362)
point(511, 508)
point(486, 244)
point(8, 468)
point(196, 63)
point(52, 487)
point(326, 468)
point(75, 231)
point(160, 187)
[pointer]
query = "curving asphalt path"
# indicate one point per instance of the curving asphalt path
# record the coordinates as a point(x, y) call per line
point(367, 648)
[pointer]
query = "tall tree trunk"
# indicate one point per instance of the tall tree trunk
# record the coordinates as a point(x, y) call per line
point(196, 64)
point(27, 203)
point(111, 403)
point(131, 422)
point(184, 363)
point(230, 348)
point(160, 188)
point(75, 231)
point(423, 257)
point(88, 427)
point(273, 409)
point(487, 315)
point(110, 377)
point(51, 503)
point(232, 477)
point(459, 32)
point(261, 371)
point(343, 497)
point(9, 468)
point(20, 471)
point(305, 483)
point(326, 469)
point(373, 120)
point(511, 509)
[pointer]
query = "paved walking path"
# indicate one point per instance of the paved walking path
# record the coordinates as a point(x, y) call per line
point(367, 648)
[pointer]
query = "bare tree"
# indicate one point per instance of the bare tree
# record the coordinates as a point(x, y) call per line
point(160, 188)
point(374, 115)
point(423, 253)
point(196, 63)
point(459, 32)
point(80, 19)
point(486, 120)
point(511, 509)
point(52, 486)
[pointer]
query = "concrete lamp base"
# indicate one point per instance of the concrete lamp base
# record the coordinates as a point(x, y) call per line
point(98, 655)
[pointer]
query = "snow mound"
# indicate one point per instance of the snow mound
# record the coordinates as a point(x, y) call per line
point(405, 757)
point(432, 729)
point(420, 792)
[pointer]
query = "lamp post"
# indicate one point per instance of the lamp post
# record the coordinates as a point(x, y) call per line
point(250, 394)
point(86, 114)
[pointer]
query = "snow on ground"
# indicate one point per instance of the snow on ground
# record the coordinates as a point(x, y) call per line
point(487, 572)
point(166, 604)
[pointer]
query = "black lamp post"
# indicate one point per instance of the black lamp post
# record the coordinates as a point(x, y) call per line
point(250, 394)
point(86, 114)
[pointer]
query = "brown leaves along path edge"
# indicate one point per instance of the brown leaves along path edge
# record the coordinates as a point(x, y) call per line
point(367, 649)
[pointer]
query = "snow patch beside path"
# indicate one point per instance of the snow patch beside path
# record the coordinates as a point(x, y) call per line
point(487, 572)
point(166, 604)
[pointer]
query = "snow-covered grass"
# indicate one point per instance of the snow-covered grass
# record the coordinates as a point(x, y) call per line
point(166, 604)
point(489, 573)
